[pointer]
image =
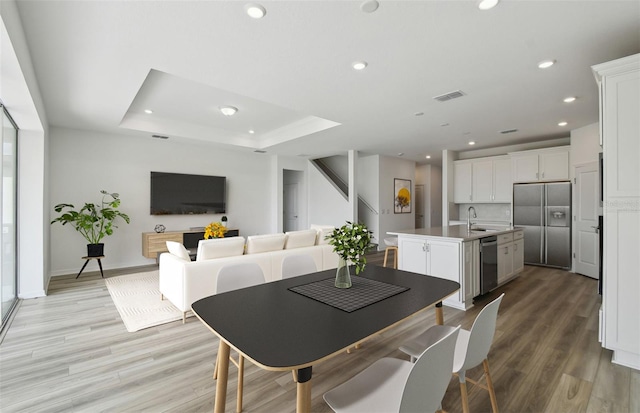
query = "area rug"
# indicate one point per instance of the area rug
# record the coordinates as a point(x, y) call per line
point(137, 298)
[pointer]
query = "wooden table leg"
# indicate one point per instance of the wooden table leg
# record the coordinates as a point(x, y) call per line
point(303, 402)
point(439, 314)
point(223, 374)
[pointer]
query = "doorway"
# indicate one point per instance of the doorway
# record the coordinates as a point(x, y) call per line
point(587, 245)
point(292, 201)
point(419, 199)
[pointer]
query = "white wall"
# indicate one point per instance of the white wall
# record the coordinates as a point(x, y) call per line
point(391, 168)
point(84, 162)
point(369, 190)
point(21, 95)
point(327, 206)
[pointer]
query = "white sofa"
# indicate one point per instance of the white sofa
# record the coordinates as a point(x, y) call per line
point(183, 281)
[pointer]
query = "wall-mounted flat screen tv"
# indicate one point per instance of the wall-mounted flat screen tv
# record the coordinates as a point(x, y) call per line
point(180, 194)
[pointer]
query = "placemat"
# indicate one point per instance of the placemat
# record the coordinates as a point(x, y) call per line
point(362, 293)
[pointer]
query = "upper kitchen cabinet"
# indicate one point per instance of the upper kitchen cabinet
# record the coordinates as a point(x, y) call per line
point(541, 165)
point(482, 180)
point(619, 83)
point(462, 182)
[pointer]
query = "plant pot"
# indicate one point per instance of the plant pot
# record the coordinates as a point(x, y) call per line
point(343, 277)
point(95, 250)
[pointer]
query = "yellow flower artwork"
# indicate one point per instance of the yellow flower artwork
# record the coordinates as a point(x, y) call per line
point(402, 196)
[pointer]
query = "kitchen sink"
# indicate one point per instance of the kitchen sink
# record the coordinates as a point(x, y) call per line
point(484, 230)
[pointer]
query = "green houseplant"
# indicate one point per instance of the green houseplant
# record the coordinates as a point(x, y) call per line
point(93, 221)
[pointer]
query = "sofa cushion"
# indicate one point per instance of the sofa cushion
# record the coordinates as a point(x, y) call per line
point(178, 250)
point(265, 243)
point(219, 247)
point(299, 239)
point(323, 231)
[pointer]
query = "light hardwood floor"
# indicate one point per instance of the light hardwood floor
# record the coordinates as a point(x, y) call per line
point(70, 352)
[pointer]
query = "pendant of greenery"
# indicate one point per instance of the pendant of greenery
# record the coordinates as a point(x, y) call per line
point(351, 242)
point(93, 221)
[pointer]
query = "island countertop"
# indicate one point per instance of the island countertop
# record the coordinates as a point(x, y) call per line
point(455, 232)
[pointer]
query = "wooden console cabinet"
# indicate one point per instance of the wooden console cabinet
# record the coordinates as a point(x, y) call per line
point(154, 243)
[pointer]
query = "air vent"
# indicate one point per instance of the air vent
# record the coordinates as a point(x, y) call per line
point(504, 132)
point(450, 95)
point(260, 151)
point(159, 137)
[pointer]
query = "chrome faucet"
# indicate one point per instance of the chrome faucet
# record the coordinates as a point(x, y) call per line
point(469, 223)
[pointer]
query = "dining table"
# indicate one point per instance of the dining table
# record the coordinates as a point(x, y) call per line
point(296, 323)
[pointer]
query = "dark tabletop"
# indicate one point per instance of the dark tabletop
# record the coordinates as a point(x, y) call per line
point(280, 330)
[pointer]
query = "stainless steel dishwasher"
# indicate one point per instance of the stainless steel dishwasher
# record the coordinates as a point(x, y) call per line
point(488, 264)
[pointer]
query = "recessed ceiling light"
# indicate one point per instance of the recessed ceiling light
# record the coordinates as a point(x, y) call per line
point(428, 156)
point(228, 110)
point(546, 64)
point(569, 99)
point(256, 11)
point(563, 123)
point(148, 111)
point(359, 65)
point(251, 131)
point(472, 143)
point(369, 6)
point(487, 4)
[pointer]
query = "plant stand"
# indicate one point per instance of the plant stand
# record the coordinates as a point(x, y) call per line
point(87, 259)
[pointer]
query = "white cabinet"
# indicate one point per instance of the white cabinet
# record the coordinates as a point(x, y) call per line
point(505, 257)
point(412, 255)
point(619, 83)
point(436, 258)
point(551, 164)
point(510, 255)
point(518, 256)
point(483, 180)
point(462, 182)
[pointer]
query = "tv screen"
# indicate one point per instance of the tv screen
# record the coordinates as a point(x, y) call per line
point(179, 194)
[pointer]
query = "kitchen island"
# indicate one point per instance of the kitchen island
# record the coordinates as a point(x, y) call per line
point(453, 253)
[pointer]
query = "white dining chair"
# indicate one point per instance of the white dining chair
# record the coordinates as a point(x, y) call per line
point(394, 385)
point(234, 277)
point(299, 264)
point(472, 349)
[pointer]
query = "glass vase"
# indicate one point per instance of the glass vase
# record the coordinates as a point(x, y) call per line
point(343, 278)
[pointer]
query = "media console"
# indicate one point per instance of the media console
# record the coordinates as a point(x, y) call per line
point(154, 243)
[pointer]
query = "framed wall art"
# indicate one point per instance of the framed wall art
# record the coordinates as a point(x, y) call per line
point(402, 196)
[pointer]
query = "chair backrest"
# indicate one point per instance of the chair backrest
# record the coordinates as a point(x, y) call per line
point(481, 335)
point(430, 376)
point(235, 276)
point(299, 264)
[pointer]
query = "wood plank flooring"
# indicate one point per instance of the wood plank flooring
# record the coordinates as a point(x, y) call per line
point(70, 352)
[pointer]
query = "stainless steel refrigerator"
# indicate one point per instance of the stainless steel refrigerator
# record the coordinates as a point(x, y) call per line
point(544, 211)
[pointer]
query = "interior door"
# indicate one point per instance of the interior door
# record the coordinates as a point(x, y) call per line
point(290, 201)
point(419, 202)
point(587, 204)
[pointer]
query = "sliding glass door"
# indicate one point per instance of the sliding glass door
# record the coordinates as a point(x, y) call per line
point(8, 194)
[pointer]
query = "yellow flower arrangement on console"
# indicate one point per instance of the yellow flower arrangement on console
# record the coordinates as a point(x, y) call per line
point(214, 230)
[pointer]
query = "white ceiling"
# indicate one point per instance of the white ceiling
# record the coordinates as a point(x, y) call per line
point(99, 64)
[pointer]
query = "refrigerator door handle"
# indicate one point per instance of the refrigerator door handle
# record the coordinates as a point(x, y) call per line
point(543, 222)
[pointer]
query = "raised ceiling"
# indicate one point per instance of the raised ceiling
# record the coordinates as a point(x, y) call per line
point(100, 64)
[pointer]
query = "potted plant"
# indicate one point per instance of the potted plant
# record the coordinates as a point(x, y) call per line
point(351, 242)
point(224, 220)
point(93, 221)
